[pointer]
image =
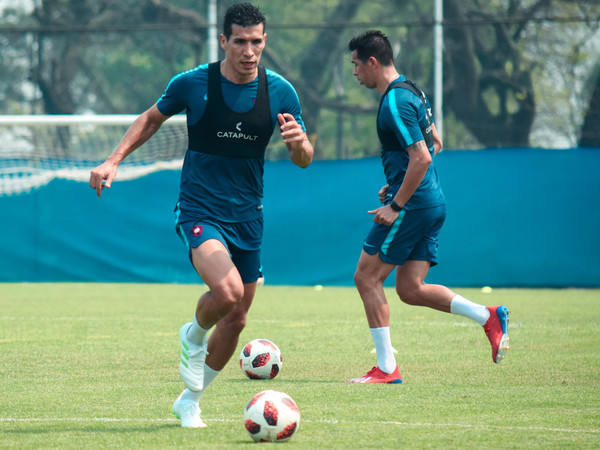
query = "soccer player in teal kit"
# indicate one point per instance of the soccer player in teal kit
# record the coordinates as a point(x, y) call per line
point(232, 108)
point(405, 234)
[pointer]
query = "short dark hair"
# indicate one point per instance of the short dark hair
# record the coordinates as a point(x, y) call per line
point(244, 15)
point(372, 43)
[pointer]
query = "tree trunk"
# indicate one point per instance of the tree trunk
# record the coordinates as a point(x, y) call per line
point(317, 64)
point(590, 132)
point(494, 102)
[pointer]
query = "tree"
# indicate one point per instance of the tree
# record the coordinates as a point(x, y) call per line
point(111, 56)
point(316, 65)
point(488, 83)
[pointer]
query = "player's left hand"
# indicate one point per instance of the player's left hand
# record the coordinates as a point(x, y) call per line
point(291, 131)
point(384, 215)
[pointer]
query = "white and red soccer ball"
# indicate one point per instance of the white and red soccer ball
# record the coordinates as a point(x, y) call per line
point(260, 359)
point(271, 416)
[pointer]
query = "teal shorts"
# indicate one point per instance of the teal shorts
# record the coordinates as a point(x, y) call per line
point(414, 235)
point(242, 240)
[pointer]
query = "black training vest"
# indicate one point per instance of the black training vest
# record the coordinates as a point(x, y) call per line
point(388, 140)
point(222, 131)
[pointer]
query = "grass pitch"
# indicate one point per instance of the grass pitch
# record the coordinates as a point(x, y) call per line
point(96, 365)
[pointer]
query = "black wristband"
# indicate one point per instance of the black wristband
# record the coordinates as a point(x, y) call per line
point(395, 206)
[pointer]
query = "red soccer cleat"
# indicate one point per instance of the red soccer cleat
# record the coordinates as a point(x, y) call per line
point(376, 375)
point(496, 329)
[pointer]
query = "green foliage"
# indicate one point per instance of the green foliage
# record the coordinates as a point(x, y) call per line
point(132, 77)
point(95, 365)
point(114, 71)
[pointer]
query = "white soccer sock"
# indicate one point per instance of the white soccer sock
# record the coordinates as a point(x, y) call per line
point(383, 348)
point(209, 377)
point(463, 307)
point(196, 334)
point(190, 395)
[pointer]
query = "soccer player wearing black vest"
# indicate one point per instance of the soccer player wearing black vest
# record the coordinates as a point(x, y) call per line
point(232, 108)
point(406, 229)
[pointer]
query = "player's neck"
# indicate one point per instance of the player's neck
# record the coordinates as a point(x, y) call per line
point(388, 76)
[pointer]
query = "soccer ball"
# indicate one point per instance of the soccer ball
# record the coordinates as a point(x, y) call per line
point(260, 359)
point(271, 416)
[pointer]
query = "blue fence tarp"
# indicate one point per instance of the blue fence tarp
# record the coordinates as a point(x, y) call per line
point(516, 217)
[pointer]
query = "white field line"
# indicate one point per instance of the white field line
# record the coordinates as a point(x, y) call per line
point(386, 422)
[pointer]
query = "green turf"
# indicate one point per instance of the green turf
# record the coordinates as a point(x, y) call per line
point(96, 365)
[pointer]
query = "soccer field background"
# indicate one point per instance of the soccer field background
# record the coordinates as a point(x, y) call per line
point(87, 365)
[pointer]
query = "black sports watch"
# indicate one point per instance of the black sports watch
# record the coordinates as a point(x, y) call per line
point(395, 206)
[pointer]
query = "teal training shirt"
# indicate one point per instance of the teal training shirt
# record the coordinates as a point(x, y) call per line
point(216, 182)
point(402, 115)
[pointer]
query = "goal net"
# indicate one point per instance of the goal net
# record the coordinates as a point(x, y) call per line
point(37, 149)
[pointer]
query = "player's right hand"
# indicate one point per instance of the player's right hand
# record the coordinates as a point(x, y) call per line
point(102, 176)
point(383, 192)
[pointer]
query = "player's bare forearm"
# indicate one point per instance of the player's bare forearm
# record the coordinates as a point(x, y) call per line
point(437, 141)
point(301, 153)
point(419, 160)
point(142, 129)
point(139, 132)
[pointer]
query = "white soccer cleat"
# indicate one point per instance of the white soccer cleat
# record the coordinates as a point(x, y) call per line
point(191, 364)
point(188, 412)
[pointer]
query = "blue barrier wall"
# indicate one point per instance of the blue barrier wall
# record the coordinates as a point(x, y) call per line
point(516, 217)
